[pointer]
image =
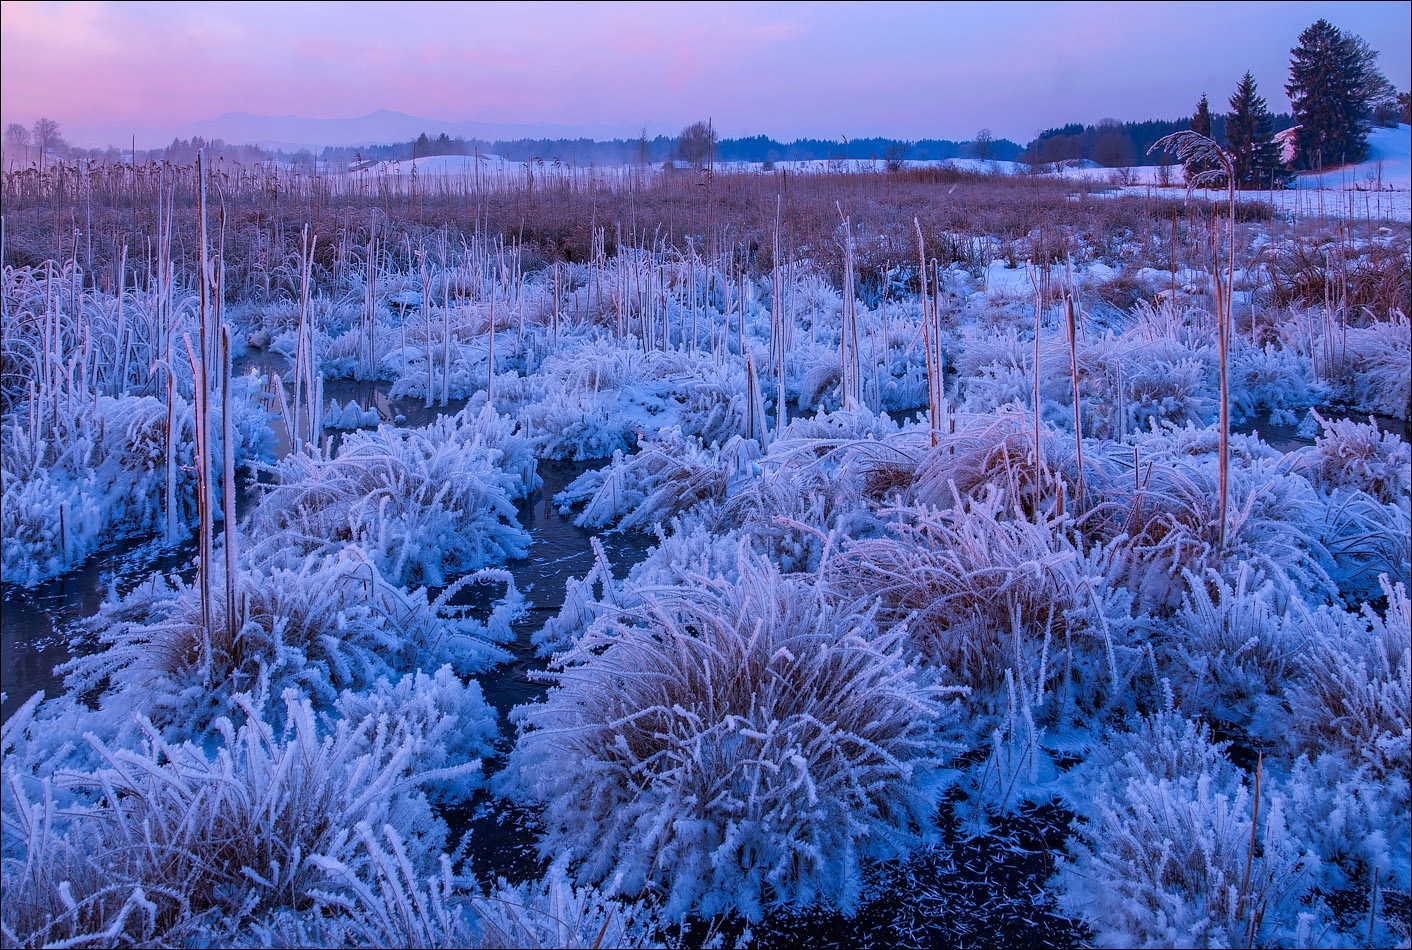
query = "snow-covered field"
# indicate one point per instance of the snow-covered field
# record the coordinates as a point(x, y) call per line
point(1378, 188)
point(982, 570)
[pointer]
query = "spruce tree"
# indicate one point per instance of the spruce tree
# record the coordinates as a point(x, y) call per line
point(1201, 124)
point(1329, 95)
point(1250, 139)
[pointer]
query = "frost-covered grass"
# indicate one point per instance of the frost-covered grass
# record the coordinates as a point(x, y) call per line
point(853, 611)
point(97, 471)
point(163, 843)
point(321, 626)
point(426, 504)
point(734, 745)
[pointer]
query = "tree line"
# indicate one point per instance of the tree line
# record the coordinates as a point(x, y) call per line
point(1337, 93)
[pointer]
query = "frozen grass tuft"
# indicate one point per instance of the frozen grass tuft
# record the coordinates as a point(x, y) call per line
point(327, 625)
point(426, 504)
point(167, 843)
point(1168, 856)
point(733, 746)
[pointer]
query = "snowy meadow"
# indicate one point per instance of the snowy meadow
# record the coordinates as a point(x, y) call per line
point(919, 557)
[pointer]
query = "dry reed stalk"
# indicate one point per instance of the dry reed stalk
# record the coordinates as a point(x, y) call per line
point(1250, 852)
point(1078, 418)
point(933, 388)
point(1038, 442)
point(228, 487)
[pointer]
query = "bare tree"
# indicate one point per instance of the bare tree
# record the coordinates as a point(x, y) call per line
point(982, 144)
point(895, 155)
point(17, 139)
point(696, 142)
point(47, 136)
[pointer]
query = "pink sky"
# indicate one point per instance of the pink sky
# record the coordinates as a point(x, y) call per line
point(107, 70)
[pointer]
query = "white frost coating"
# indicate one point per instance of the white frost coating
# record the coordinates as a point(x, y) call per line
point(733, 746)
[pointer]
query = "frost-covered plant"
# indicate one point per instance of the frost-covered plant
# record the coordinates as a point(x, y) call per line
point(381, 903)
point(166, 840)
point(1270, 378)
point(716, 407)
point(1355, 819)
point(1168, 855)
point(1353, 694)
point(667, 476)
point(100, 472)
point(1361, 456)
point(733, 745)
point(426, 504)
point(1228, 646)
point(330, 624)
point(1367, 539)
point(996, 452)
point(576, 425)
point(982, 594)
point(554, 912)
point(1172, 527)
point(1375, 360)
point(350, 416)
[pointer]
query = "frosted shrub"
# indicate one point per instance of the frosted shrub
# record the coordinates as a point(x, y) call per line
point(553, 912)
point(981, 594)
point(575, 425)
point(1367, 539)
point(1162, 859)
point(103, 465)
point(167, 838)
point(426, 504)
point(1228, 646)
point(715, 407)
point(1353, 695)
point(732, 746)
point(1355, 820)
point(1269, 378)
point(1359, 455)
point(350, 416)
point(1376, 358)
point(1173, 528)
point(379, 901)
point(667, 476)
point(997, 452)
point(1177, 392)
point(791, 516)
point(327, 625)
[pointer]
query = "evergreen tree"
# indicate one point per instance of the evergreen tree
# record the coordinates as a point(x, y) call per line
point(1329, 92)
point(1201, 124)
point(1250, 139)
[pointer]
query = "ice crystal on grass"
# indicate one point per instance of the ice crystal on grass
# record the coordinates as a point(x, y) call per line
point(1360, 456)
point(982, 594)
point(324, 626)
point(427, 504)
point(98, 472)
point(166, 841)
point(733, 746)
point(1353, 694)
point(1168, 856)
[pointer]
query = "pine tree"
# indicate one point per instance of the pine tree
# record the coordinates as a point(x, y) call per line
point(1250, 139)
point(1328, 91)
point(1201, 124)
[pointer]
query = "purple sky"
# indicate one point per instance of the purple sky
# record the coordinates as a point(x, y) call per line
point(106, 70)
